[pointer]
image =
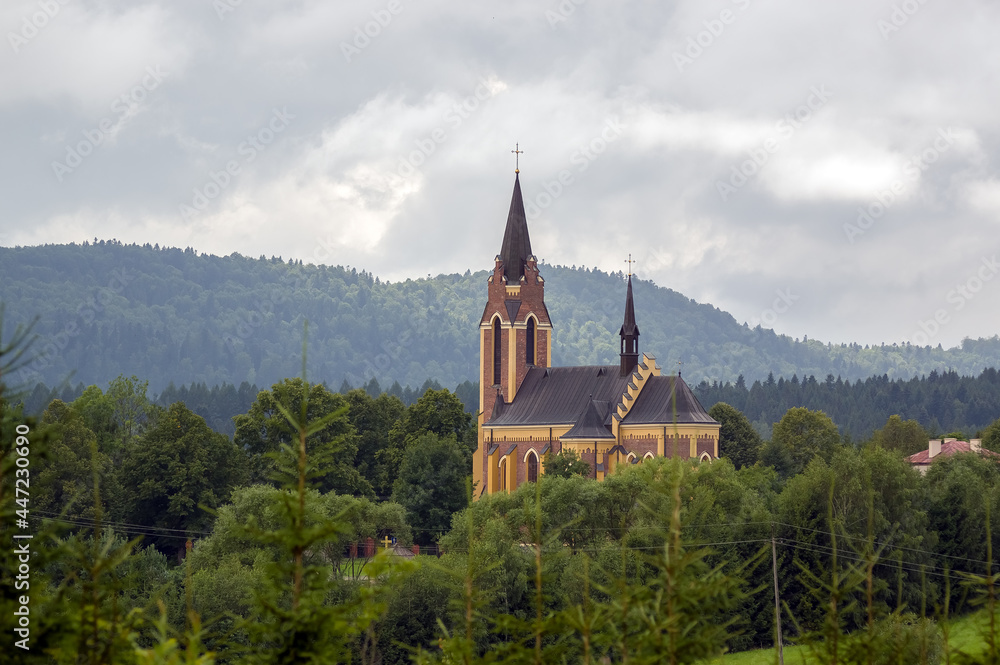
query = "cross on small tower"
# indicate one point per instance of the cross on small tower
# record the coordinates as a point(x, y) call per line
point(517, 155)
point(630, 261)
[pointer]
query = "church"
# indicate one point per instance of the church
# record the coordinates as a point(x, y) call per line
point(608, 415)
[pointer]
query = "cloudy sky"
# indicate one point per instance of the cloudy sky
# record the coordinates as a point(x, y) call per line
point(824, 168)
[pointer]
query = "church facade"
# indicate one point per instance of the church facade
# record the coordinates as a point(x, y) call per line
point(608, 415)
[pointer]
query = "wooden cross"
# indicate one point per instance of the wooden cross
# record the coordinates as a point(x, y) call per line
point(386, 541)
point(630, 261)
point(517, 155)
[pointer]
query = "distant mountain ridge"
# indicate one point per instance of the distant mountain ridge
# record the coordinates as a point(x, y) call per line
point(172, 315)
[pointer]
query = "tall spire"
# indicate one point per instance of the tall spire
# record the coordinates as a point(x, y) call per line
point(630, 334)
point(516, 245)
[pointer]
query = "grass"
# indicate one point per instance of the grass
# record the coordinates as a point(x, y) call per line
point(966, 635)
point(793, 655)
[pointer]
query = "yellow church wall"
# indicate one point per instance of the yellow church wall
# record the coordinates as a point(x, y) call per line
point(538, 437)
point(669, 432)
point(493, 479)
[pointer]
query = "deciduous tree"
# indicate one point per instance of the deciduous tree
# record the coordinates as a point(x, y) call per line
point(175, 470)
point(437, 412)
point(565, 464)
point(738, 440)
point(801, 435)
point(263, 430)
point(991, 436)
point(63, 482)
point(905, 436)
point(431, 484)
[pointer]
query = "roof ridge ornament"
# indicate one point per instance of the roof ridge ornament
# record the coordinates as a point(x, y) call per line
point(630, 261)
point(517, 154)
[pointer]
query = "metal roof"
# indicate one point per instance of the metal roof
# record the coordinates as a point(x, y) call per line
point(655, 404)
point(516, 246)
point(562, 396)
point(558, 395)
point(592, 423)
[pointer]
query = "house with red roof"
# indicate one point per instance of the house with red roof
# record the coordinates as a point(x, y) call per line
point(938, 449)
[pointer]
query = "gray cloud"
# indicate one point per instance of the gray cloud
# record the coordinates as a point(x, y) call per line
point(395, 155)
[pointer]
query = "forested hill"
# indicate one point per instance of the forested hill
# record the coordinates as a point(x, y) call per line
point(172, 315)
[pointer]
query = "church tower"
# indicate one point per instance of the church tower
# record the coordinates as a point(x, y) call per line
point(515, 332)
point(610, 416)
point(629, 333)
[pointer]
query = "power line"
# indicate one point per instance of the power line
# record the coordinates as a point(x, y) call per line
point(905, 566)
point(908, 566)
point(884, 543)
point(124, 527)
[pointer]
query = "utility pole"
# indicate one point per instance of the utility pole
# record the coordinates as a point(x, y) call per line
point(777, 600)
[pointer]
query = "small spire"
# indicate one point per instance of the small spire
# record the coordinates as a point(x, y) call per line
point(629, 326)
point(517, 154)
point(629, 334)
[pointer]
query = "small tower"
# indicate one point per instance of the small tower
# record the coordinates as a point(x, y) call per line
point(629, 333)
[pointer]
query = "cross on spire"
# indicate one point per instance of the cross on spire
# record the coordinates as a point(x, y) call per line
point(630, 261)
point(517, 154)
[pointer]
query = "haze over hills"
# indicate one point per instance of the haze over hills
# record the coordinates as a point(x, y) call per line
point(172, 315)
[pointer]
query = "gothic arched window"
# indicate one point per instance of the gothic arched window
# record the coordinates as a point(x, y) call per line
point(496, 352)
point(532, 466)
point(529, 353)
point(503, 473)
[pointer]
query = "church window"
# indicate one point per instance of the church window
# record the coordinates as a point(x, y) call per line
point(647, 456)
point(530, 351)
point(503, 473)
point(496, 352)
point(532, 466)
